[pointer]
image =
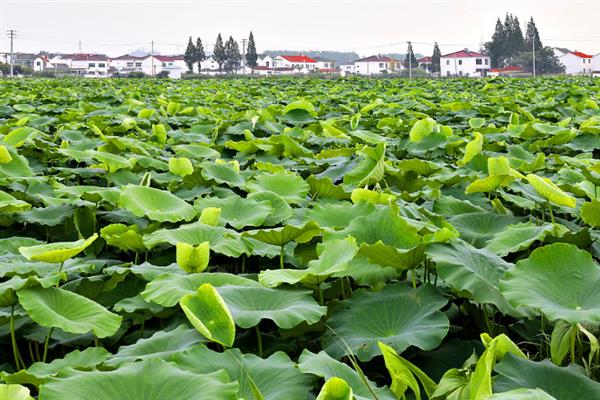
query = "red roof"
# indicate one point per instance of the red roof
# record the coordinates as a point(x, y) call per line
point(466, 53)
point(299, 59)
point(424, 59)
point(377, 59)
point(581, 55)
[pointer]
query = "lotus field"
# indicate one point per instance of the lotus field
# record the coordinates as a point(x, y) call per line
point(300, 239)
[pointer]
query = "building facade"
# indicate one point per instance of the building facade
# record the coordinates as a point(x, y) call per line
point(465, 63)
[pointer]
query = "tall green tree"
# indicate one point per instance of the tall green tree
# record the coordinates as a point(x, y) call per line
point(435, 58)
point(495, 47)
point(251, 55)
point(200, 56)
point(189, 57)
point(546, 61)
point(219, 54)
point(232, 55)
point(410, 59)
point(532, 35)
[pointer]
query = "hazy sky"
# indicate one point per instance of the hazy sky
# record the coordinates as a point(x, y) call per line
point(368, 27)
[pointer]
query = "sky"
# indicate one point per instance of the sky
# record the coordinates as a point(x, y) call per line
point(116, 27)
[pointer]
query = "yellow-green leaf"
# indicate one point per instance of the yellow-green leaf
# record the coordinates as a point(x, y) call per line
point(335, 389)
point(210, 216)
point(56, 252)
point(191, 258)
point(546, 188)
point(180, 166)
point(473, 148)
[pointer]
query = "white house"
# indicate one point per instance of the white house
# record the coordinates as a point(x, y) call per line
point(347, 69)
point(575, 62)
point(375, 65)
point(264, 61)
point(465, 63)
point(302, 63)
point(127, 63)
point(89, 65)
point(39, 63)
point(209, 66)
point(596, 65)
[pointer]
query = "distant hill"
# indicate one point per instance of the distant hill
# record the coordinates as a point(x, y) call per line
point(338, 56)
point(399, 56)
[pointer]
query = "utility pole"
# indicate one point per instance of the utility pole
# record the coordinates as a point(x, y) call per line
point(244, 55)
point(409, 60)
point(80, 51)
point(152, 54)
point(12, 34)
point(533, 56)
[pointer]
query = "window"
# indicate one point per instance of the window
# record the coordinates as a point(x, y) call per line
point(478, 61)
point(130, 64)
point(447, 62)
point(102, 65)
point(267, 63)
point(460, 73)
point(38, 63)
point(487, 61)
point(91, 65)
point(459, 62)
point(380, 65)
point(138, 64)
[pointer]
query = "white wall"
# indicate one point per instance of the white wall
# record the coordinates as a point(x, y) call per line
point(282, 62)
point(466, 66)
point(575, 65)
point(596, 62)
point(92, 67)
point(38, 64)
point(376, 67)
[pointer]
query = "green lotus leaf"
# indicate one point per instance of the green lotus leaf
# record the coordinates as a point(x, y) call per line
point(281, 210)
point(237, 211)
point(12, 244)
point(124, 237)
point(56, 252)
point(14, 392)
point(334, 258)
point(560, 382)
point(421, 167)
point(58, 308)
point(546, 188)
point(489, 184)
point(286, 234)
point(39, 372)
point(196, 151)
point(168, 289)
point(398, 316)
point(291, 188)
point(590, 213)
point(193, 258)
point(322, 365)
point(558, 280)
point(286, 307)
point(272, 378)
point(518, 237)
point(160, 380)
point(20, 136)
point(180, 166)
point(164, 345)
point(10, 204)
point(476, 123)
point(371, 196)
point(338, 215)
point(10, 287)
point(370, 170)
point(221, 240)
point(475, 271)
point(18, 167)
point(209, 314)
point(157, 205)
point(324, 188)
point(523, 394)
point(223, 173)
point(481, 227)
point(300, 111)
point(48, 216)
point(335, 389)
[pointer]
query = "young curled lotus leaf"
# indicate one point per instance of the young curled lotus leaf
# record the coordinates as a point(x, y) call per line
point(56, 252)
point(335, 389)
point(546, 188)
point(421, 129)
point(9, 204)
point(14, 392)
point(193, 259)
point(152, 379)
point(180, 166)
point(398, 316)
point(58, 308)
point(370, 170)
point(124, 237)
point(155, 204)
point(210, 216)
point(208, 313)
point(472, 149)
point(559, 280)
point(5, 156)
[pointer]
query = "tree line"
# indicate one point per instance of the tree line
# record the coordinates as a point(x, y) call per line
point(509, 47)
point(227, 55)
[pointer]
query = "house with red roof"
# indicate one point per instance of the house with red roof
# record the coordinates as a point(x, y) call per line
point(300, 63)
point(376, 65)
point(575, 62)
point(465, 63)
point(425, 63)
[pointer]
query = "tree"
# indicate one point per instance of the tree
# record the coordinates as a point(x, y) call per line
point(435, 58)
point(251, 55)
point(546, 61)
point(232, 55)
point(219, 54)
point(410, 60)
point(200, 56)
point(190, 55)
point(495, 48)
